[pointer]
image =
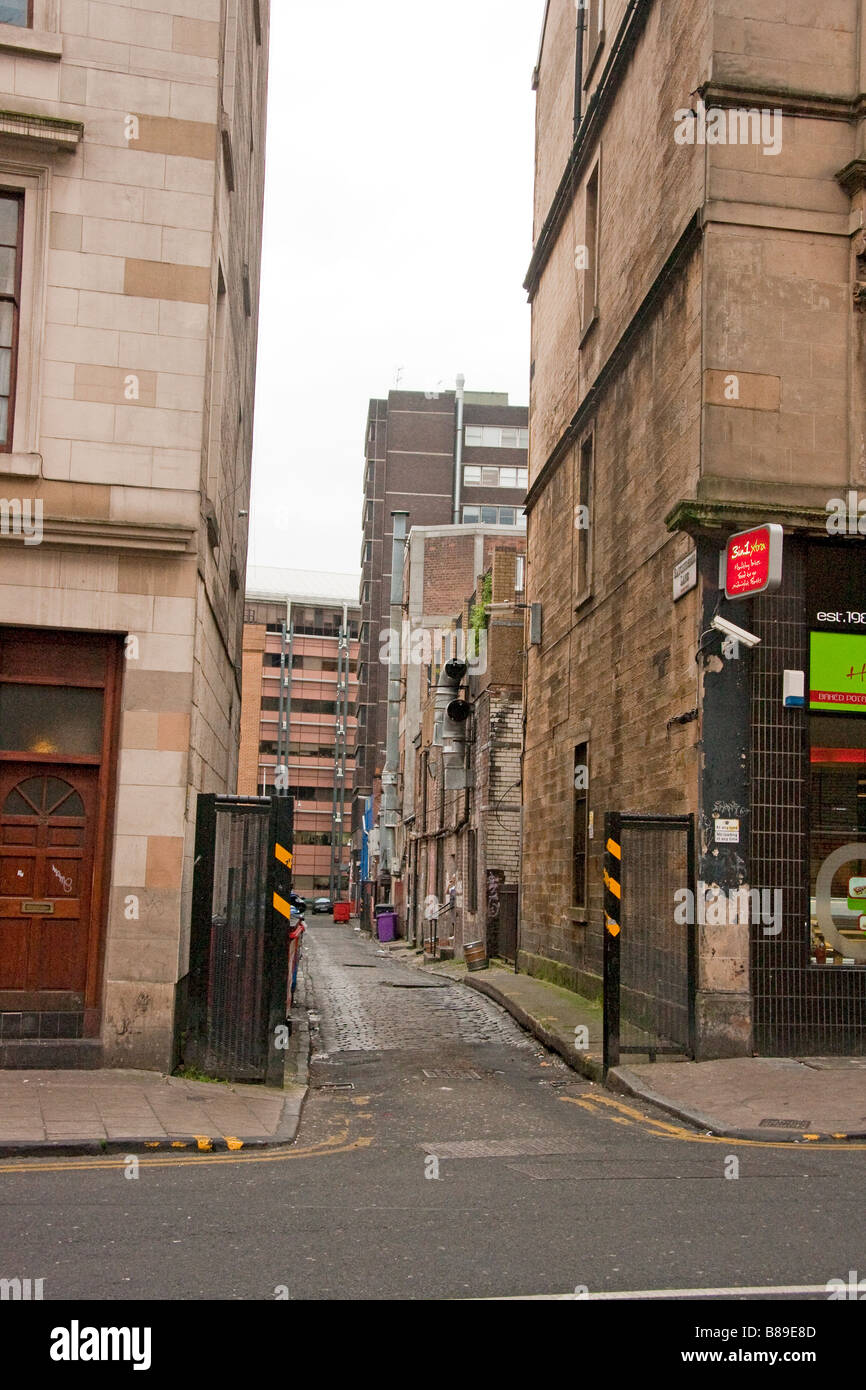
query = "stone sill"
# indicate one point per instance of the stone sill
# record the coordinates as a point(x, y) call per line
point(20, 465)
point(30, 43)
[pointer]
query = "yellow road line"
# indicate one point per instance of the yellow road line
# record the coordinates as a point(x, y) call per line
point(662, 1129)
point(333, 1145)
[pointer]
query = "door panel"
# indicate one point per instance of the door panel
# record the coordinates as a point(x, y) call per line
point(47, 832)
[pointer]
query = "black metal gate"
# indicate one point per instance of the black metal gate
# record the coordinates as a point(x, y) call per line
point(649, 935)
point(238, 960)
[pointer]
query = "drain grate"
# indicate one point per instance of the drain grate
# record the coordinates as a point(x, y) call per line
point(336, 1086)
point(785, 1124)
point(451, 1074)
point(358, 964)
point(410, 984)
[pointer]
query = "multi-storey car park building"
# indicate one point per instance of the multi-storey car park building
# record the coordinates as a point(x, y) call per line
point(442, 458)
point(303, 627)
point(697, 288)
point(131, 180)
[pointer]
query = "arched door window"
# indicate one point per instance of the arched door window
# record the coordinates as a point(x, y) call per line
point(43, 797)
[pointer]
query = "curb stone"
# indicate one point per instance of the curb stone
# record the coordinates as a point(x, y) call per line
point(583, 1062)
point(296, 1076)
point(624, 1081)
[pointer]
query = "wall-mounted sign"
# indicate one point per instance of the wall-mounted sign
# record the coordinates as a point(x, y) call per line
point(753, 561)
point(726, 832)
point(837, 672)
point(685, 575)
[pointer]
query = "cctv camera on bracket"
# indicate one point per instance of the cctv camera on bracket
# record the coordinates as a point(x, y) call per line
point(730, 629)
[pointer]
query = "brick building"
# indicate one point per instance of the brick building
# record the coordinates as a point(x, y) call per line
point(697, 359)
point(460, 811)
point(297, 622)
point(131, 184)
point(451, 457)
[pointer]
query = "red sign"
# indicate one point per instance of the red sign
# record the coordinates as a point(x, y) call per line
point(753, 561)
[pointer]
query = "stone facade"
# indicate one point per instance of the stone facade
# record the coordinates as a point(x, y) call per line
point(135, 134)
point(697, 368)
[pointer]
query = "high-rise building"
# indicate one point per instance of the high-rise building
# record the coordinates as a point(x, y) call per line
point(131, 185)
point(442, 458)
point(299, 695)
point(697, 287)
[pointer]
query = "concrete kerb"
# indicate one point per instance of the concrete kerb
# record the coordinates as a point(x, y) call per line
point(295, 1090)
point(626, 1082)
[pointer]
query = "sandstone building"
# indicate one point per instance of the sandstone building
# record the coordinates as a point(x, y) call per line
point(131, 181)
point(697, 288)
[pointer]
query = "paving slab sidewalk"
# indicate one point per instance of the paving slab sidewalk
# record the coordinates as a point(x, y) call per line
point(118, 1111)
point(775, 1098)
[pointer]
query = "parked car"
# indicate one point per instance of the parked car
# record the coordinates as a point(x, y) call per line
point(297, 901)
point(323, 905)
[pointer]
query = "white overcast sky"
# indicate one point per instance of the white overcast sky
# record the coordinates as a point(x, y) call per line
point(398, 223)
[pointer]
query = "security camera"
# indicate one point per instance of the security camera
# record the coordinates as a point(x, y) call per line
point(730, 629)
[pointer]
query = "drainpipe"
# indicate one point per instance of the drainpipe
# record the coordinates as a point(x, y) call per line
point(458, 451)
point(388, 813)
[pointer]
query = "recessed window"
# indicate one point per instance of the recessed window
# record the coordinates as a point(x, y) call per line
point(11, 218)
point(16, 12)
point(594, 35)
point(471, 515)
point(489, 516)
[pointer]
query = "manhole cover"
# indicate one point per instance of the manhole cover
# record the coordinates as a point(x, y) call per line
point(785, 1124)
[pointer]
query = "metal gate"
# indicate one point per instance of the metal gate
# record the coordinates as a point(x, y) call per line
point(238, 960)
point(649, 936)
point(502, 925)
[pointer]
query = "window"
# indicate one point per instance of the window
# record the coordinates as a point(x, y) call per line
point(496, 437)
point(11, 227)
point(580, 838)
point(365, 594)
point(591, 242)
point(594, 36)
point(508, 477)
point(583, 520)
point(495, 477)
point(472, 475)
point(16, 12)
point(493, 516)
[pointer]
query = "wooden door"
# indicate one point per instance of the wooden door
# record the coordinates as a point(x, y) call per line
point(47, 839)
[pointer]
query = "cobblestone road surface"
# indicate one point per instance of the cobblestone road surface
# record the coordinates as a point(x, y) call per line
point(363, 1002)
